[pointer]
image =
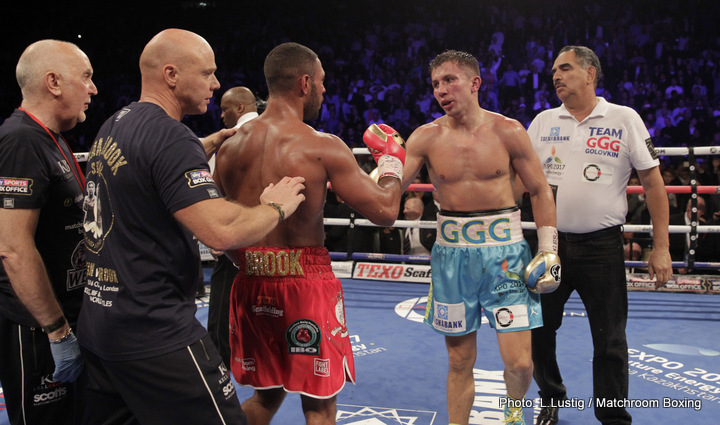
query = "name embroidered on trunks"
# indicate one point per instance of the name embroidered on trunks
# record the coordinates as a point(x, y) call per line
point(475, 231)
point(281, 263)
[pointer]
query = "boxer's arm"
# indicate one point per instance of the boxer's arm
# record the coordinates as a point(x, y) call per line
point(387, 148)
point(378, 202)
point(542, 274)
point(527, 165)
point(414, 155)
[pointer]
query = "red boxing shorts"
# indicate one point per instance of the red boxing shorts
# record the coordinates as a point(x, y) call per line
point(287, 322)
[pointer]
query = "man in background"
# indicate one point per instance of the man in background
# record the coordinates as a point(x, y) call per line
point(238, 106)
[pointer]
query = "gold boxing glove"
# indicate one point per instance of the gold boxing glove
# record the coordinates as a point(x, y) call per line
point(542, 275)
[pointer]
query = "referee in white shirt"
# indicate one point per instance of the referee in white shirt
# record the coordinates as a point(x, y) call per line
point(588, 148)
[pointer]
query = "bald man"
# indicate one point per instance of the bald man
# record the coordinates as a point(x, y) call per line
point(41, 242)
point(236, 103)
point(148, 359)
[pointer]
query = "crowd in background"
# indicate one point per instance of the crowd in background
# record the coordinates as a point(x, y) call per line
point(661, 59)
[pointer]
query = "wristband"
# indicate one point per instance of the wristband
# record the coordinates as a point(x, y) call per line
point(62, 338)
point(389, 165)
point(52, 327)
point(279, 209)
point(547, 239)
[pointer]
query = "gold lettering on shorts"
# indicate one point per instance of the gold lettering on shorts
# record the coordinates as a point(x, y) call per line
point(281, 263)
point(295, 269)
point(270, 263)
point(282, 266)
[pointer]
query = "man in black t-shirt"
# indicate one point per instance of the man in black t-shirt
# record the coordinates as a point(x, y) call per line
point(41, 236)
point(148, 359)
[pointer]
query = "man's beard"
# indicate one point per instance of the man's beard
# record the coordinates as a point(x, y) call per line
point(312, 109)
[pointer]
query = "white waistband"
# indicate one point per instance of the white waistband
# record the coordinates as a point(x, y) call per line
point(475, 232)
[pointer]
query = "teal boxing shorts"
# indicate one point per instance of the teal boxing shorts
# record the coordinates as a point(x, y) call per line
point(477, 263)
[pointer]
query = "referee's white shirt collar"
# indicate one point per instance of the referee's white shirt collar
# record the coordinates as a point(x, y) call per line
point(245, 118)
point(600, 110)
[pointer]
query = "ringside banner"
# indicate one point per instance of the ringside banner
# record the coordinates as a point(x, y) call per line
point(395, 272)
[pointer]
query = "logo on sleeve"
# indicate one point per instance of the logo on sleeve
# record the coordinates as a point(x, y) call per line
point(16, 186)
point(651, 148)
point(199, 177)
point(64, 167)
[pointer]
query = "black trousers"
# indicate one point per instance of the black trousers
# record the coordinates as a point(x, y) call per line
point(26, 369)
point(188, 386)
point(592, 265)
point(218, 323)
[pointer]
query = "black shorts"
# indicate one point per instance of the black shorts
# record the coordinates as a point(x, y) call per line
point(188, 386)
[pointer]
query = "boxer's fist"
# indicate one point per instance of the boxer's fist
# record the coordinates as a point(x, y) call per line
point(542, 275)
point(384, 140)
point(388, 148)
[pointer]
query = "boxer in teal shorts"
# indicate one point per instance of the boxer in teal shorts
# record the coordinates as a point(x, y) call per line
point(477, 262)
point(481, 163)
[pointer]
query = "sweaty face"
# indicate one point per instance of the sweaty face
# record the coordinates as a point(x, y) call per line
point(452, 86)
point(315, 99)
point(77, 88)
point(196, 82)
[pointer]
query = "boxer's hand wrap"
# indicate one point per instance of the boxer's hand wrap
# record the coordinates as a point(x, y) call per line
point(547, 239)
point(542, 275)
point(388, 148)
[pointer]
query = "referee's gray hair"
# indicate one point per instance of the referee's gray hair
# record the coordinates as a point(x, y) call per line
point(586, 58)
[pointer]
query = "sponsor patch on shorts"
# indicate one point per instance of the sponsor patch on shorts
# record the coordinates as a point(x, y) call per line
point(449, 318)
point(248, 364)
point(322, 367)
point(511, 316)
point(16, 186)
point(303, 337)
point(199, 177)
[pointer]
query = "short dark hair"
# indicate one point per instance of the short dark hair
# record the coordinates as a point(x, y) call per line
point(287, 62)
point(463, 59)
point(586, 58)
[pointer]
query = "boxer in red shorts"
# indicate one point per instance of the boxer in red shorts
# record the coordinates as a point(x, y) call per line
point(288, 328)
point(288, 320)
